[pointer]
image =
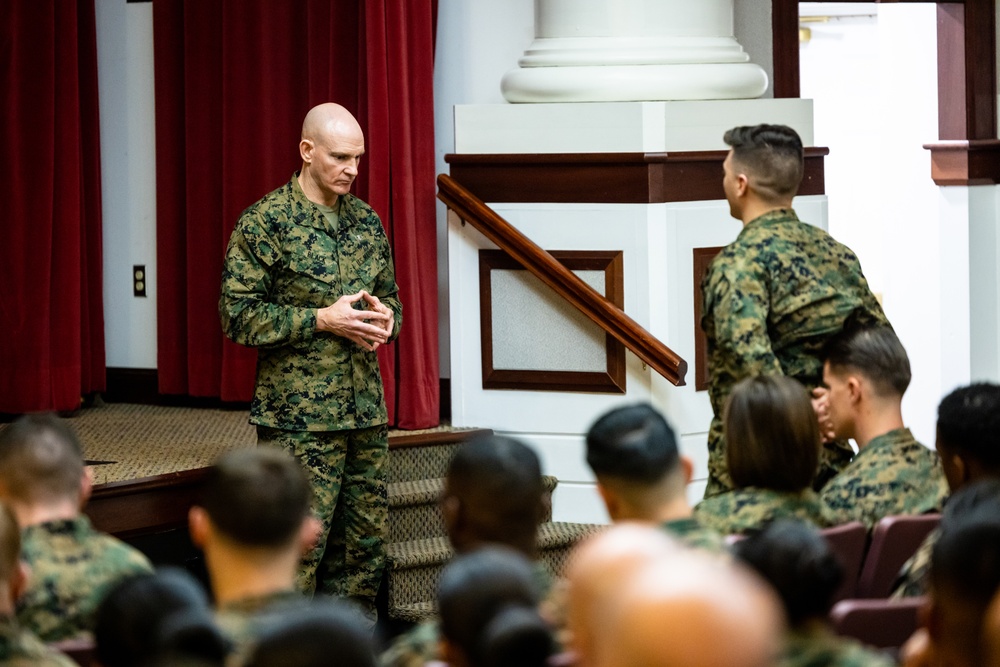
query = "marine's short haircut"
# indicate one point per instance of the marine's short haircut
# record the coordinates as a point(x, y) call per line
point(327, 632)
point(798, 563)
point(499, 479)
point(772, 435)
point(41, 459)
point(771, 156)
point(10, 543)
point(487, 601)
point(871, 350)
point(257, 497)
point(634, 444)
point(969, 423)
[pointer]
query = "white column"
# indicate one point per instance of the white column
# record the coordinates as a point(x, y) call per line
point(631, 50)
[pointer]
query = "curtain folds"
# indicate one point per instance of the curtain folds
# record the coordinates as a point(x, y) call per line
point(51, 303)
point(234, 78)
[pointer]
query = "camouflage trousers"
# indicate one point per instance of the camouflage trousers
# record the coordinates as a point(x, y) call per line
point(832, 459)
point(346, 470)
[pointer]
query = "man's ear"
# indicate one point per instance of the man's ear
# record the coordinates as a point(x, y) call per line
point(687, 467)
point(199, 526)
point(306, 148)
point(19, 580)
point(611, 502)
point(86, 485)
point(854, 387)
point(742, 184)
point(309, 534)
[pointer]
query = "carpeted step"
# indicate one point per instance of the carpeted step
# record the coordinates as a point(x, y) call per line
point(414, 567)
point(415, 513)
point(424, 454)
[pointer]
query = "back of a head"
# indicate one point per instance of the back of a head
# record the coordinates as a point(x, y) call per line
point(772, 436)
point(633, 444)
point(150, 618)
point(498, 482)
point(772, 158)
point(487, 600)
point(798, 563)
point(873, 351)
point(691, 610)
point(257, 497)
point(10, 544)
point(316, 635)
point(41, 460)
point(968, 423)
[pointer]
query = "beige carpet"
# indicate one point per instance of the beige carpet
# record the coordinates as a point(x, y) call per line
point(147, 440)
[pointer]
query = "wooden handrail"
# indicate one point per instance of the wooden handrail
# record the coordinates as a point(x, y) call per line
point(566, 284)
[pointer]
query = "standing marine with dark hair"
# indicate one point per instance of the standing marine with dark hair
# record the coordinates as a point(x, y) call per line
point(308, 280)
point(773, 296)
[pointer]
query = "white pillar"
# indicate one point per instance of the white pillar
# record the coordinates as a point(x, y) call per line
point(631, 50)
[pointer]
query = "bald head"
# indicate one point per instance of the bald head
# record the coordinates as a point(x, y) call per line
point(596, 572)
point(694, 611)
point(331, 147)
point(329, 118)
point(991, 634)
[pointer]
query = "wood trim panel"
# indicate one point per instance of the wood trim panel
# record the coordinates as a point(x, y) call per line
point(611, 178)
point(612, 380)
point(965, 162)
point(785, 47)
point(580, 295)
point(701, 258)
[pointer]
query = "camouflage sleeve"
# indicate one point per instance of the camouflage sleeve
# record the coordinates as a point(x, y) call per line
point(414, 648)
point(249, 315)
point(388, 292)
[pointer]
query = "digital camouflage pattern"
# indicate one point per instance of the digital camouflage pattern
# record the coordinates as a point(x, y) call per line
point(891, 475)
point(346, 470)
point(242, 620)
point(750, 508)
point(821, 648)
point(72, 567)
point(283, 263)
point(914, 577)
point(770, 300)
point(693, 533)
point(20, 648)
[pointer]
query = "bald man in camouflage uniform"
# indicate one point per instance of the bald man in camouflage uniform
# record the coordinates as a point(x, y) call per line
point(308, 280)
point(773, 296)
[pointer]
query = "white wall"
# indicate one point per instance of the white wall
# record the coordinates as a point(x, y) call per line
point(752, 25)
point(128, 178)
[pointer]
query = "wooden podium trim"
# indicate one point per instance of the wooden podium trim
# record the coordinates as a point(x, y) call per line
point(974, 162)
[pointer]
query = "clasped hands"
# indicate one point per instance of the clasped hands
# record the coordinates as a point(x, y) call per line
point(369, 327)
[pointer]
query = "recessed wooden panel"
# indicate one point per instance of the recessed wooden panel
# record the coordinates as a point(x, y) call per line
point(609, 380)
point(701, 260)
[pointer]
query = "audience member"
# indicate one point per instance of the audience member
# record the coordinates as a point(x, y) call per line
point(597, 570)
point(253, 524)
point(19, 647)
point(323, 633)
point(159, 618)
point(865, 373)
point(964, 579)
point(772, 454)
point(968, 441)
point(692, 610)
point(44, 481)
point(488, 602)
point(805, 573)
point(493, 495)
point(641, 475)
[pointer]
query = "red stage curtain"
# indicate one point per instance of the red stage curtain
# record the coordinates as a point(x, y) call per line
point(234, 78)
point(51, 305)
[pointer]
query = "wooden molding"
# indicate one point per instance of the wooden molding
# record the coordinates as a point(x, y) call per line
point(580, 295)
point(975, 162)
point(614, 178)
point(702, 257)
point(612, 380)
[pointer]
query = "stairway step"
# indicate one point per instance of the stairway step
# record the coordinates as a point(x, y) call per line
point(415, 612)
point(414, 567)
point(414, 510)
point(425, 454)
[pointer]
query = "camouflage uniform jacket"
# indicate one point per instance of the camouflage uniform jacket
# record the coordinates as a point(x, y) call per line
point(750, 508)
point(821, 648)
point(20, 648)
point(72, 567)
point(283, 263)
point(770, 300)
point(241, 620)
point(893, 474)
point(914, 577)
point(694, 534)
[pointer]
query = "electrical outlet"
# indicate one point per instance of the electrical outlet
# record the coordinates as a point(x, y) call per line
point(139, 280)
